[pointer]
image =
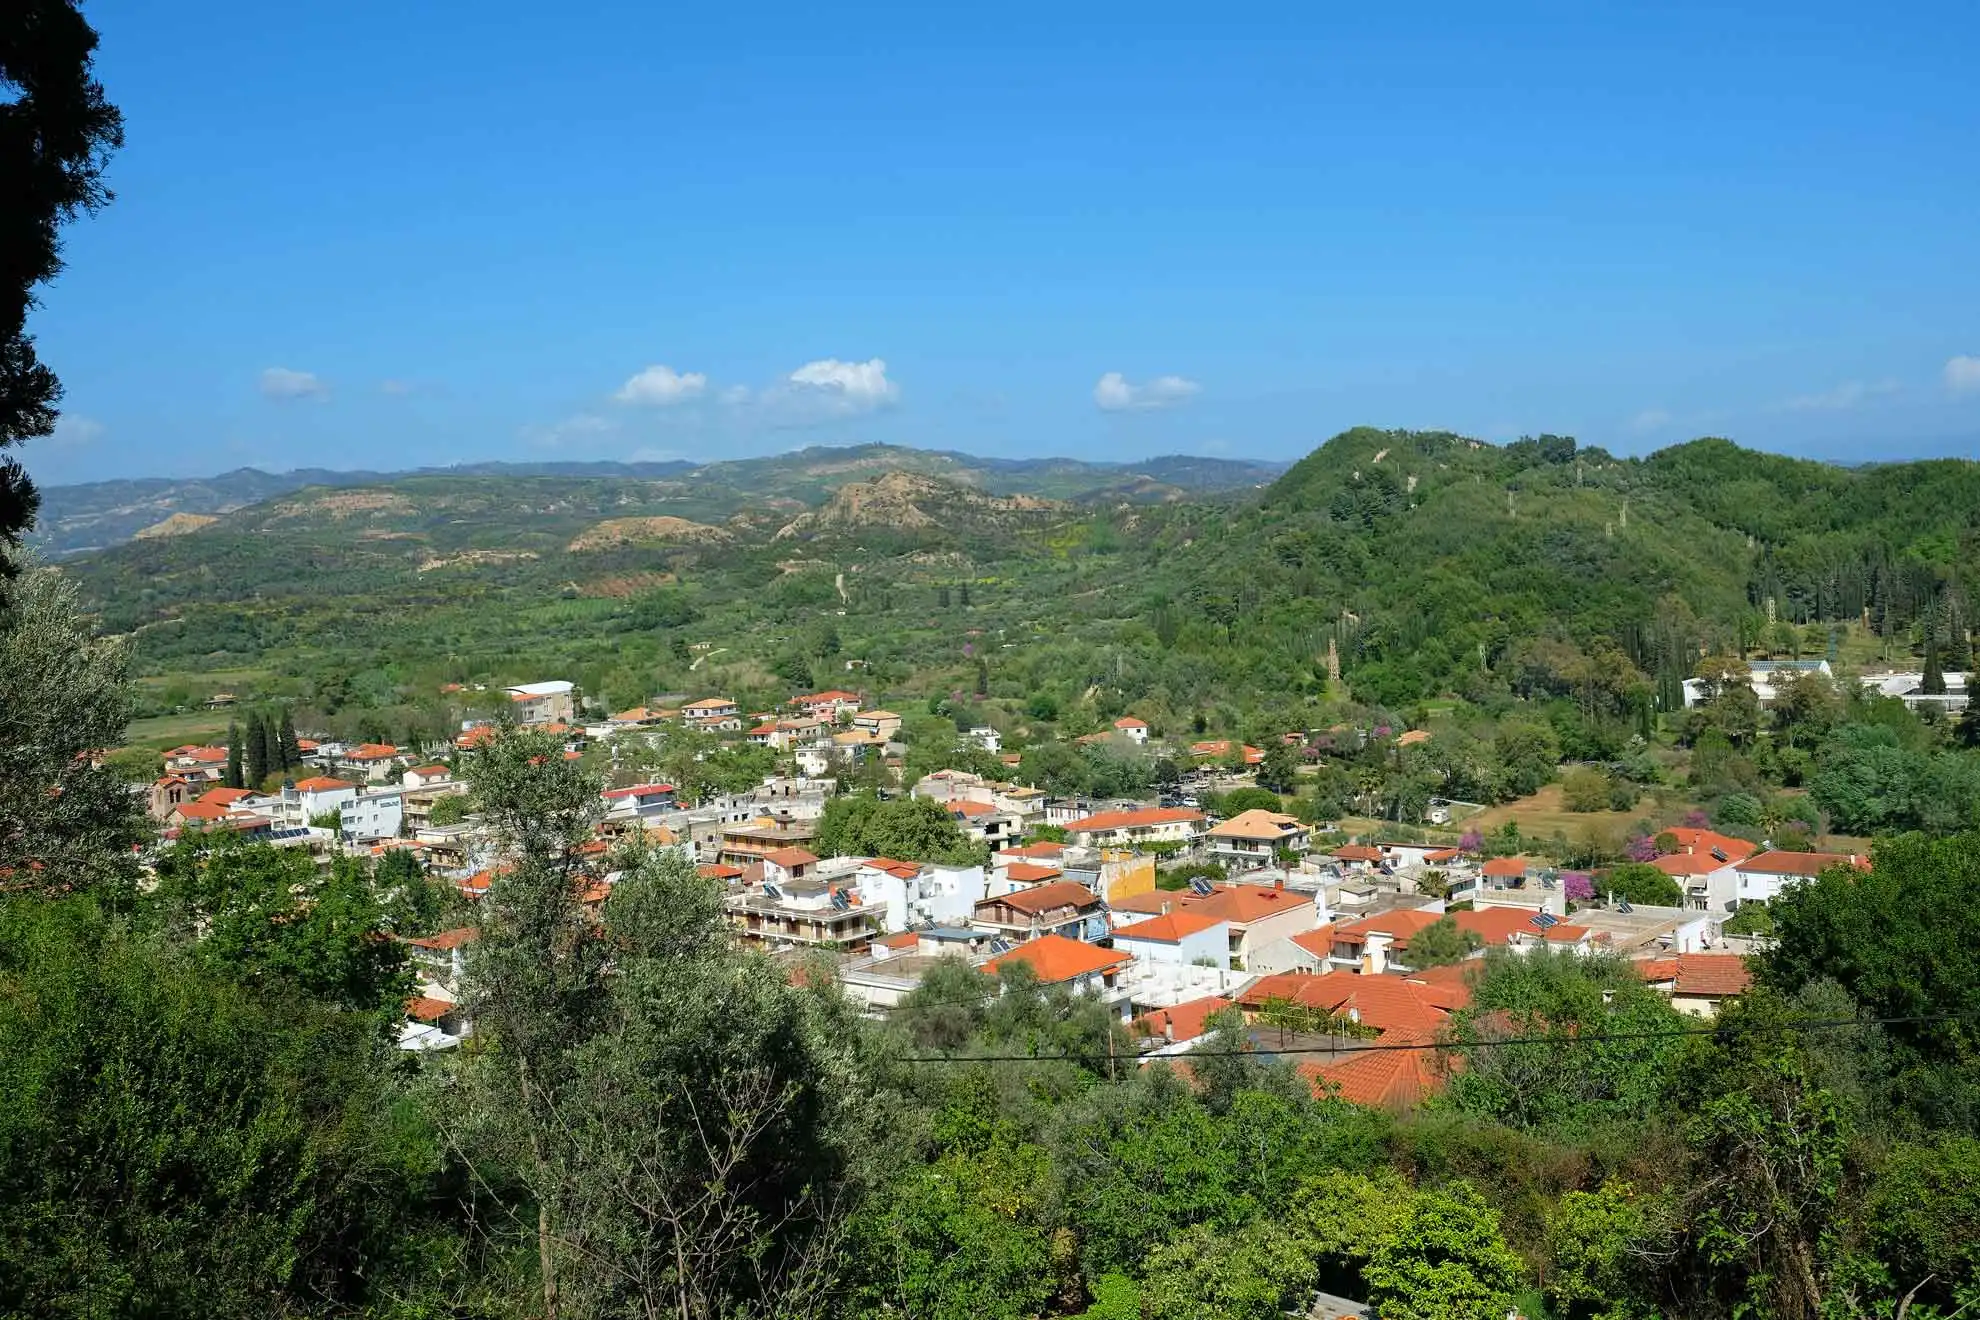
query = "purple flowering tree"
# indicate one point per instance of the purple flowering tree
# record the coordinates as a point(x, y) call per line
point(1471, 841)
point(1578, 887)
point(1642, 848)
point(1697, 820)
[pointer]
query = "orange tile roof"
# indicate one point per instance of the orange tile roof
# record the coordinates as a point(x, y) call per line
point(1140, 819)
point(1319, 941)
point(479, 736)
point(1687, 864)
point(906, 939)
point(1056, 958)
point(1781, 862)
point(1258, 824)
point(1130, 722)
point(1394, 1079)
point(1051, 850)
point(446, 939)
point(1704, 841)
point(372, 752)
point(1383, 1002)
point(1700, 975)
point(898, 869)
point(1170, 929)
point(1243, 904)
point(1412, 737)
point(226, 797)
point(1496, 925)
point(422, 1009)
point(719, 871)
point(1401, 923)
point(425, 770)
point(1047, 897)
point(1025, 873)
point(1183, 1021)
point(1506, 866)
point(201, 810)
point(201, 754)
point(1441, 855)
point(1358, 852)
point(789, 858)
point(961, 808)
point(637, 790)
point(322, 784)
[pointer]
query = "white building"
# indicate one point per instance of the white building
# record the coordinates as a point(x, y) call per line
point(372, 815)
point(1764, 876)
point(987, 738)
point(1763, 676)
point(1132, 729)
point(914, 894)
point(1179, 938)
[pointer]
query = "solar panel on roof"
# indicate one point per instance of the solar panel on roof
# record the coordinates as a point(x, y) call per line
point(1000, 946)
point(1201, 887)
point(771, 891)
point(840, 901)
point(1545, 920)
point(1622, 905)
point(1719, 854)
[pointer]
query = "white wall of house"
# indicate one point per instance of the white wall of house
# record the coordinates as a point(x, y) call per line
point(372, 815)
point(1210, 945)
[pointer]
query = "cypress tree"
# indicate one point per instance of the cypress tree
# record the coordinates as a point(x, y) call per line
point(233, 779)
point(290, 750)
point(259, 760)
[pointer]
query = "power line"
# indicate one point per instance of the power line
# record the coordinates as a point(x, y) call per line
point(1603, 1038)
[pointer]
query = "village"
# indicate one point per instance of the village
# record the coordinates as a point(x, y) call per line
point(1307, 930)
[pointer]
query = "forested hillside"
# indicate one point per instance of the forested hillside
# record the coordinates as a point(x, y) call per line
point(1430, 565)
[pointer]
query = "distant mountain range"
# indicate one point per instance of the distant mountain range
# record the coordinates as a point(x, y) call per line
point(100, 514)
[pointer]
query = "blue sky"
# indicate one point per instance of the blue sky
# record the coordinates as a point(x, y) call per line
point(382, 235)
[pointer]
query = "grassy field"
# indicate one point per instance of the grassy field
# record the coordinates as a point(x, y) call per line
point(1542, 813)
point(162, 731)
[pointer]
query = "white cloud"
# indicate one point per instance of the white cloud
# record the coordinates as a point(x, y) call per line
point(1115, 393)
point(661, 387)
point(1843, 397)
point(573, 429)
point(736, 395)
point(283, 383)
point(849, 387)
point(1649, 420)
point(1963, 374)
point(73, 431)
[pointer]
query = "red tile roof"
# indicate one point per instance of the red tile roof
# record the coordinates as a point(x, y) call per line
point(1056, 958)
point(1780, 862)
point(1442, 855)
point(789, 858)
point(423, 771)
point(1383, 1078)
point(1401, 923)
point(226, 797)
point(446, 939)
point(1025, 873)
point(1384, 1002)
point(719, 871)
point(964, 808)
point(1319, 941)
point(1506, 866)
point(1170, 929)
point(1700, 975)
point(1144, 818)
point(1358, 852)
point(201, 810)
point(1496, 925)
point(898, 869)
point(372, 752)
point(638, 790)
point(1047, 898)
point(422, 1009)
point(1130, 722)
point(1183, 1021)
point(1242, 904)
point(322, 784)
point(1258, 824)
point(1704, 841)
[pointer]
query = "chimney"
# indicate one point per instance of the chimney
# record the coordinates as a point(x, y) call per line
point(1279, 880)
point(1166, 905)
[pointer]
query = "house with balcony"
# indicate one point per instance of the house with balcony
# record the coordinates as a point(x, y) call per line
point(1253, 839)
point(802, 914)
point(1136, 828)
point(917, 894)
point(1057, 908)
point(374, 814)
